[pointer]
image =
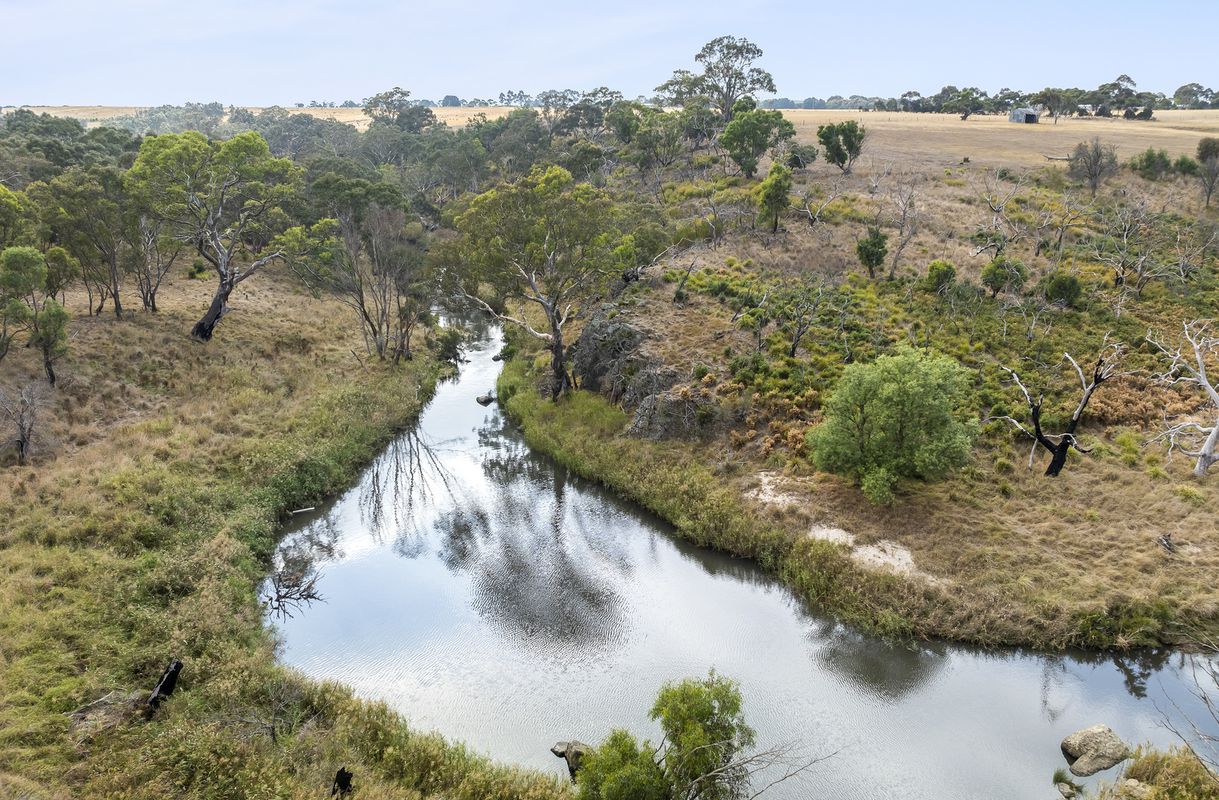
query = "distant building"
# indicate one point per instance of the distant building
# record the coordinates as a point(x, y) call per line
point(1024, 115)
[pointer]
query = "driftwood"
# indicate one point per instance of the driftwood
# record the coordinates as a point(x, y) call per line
point(342, 783)
point(165, 687)
point(1056, 158)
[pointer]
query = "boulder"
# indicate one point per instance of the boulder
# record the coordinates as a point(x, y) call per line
point(485, 399)
point(1130, 789)
point(573, 753)
point(1066, 790)
point(1094, 749)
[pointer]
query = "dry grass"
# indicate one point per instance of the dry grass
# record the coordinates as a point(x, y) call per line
point(94, 116)
point(923, 140)
point(941, 140)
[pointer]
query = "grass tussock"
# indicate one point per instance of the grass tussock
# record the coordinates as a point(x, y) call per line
point(141, 531)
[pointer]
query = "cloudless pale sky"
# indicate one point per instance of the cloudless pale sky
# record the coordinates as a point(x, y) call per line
point(261, 52)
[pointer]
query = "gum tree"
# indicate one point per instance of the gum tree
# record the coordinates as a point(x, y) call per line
point(728, 75)
point(221, 197)
point(543, 243)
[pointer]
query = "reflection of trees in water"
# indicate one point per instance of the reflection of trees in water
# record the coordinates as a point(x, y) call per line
point(1135, 666)
point(316, 543)
point(407, 477)
point(889, 670)
point(540, 573)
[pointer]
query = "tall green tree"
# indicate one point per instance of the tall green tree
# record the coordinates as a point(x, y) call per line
point(367, 255)
point(26, 303)
point(544, 242)
point(394, 107)
point(87, 209)
point(773, 195)
point(902, 416)
point(842, 142)
point(752, 133)
point(728, 75)
point(220, 197)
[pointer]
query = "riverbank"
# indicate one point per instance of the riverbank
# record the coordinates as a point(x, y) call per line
point(712, 498)
point(141, 532)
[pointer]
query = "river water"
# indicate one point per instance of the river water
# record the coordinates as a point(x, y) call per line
point(487, 594)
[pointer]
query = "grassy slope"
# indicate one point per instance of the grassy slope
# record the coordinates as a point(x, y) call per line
point(142, 532)
point(1018, 558)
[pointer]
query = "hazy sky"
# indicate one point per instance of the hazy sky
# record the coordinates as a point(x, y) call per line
point(255, 52)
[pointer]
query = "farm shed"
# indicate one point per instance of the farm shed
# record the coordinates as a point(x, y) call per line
point(1029, 115)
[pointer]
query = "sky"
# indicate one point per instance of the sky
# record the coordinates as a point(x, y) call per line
point(263, 52)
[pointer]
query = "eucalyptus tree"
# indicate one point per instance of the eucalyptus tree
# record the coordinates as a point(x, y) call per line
point(369, 256)
point(752, 133)
point(728, 75)
point(842, 143)
point(544, 243)
point(219, 197)
point(86, 209)
point(28, 305)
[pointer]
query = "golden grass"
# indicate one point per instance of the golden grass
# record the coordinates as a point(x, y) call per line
point(923, 140)
point(94, 116)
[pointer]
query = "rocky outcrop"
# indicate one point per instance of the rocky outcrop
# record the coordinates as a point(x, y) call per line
point(611, 357)
point(573, 753)
point(1094, 749)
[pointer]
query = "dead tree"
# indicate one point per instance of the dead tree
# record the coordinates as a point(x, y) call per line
point(904, 196)
point(997, 190)
point(1059, 220)
point(1187, 365)
point(21, 411)
point(1060, 444)
point(814, 208)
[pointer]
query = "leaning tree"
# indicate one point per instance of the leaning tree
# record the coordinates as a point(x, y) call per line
point(218, 196)
point(1060, 444)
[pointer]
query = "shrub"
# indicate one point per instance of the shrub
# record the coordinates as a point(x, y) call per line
point(898, 417)
point(940, 274)
point(872, 250)
point(1062, 288)
point(1185, 166)
point(1151, 164)
point(1208, 148)
point(1004, 275)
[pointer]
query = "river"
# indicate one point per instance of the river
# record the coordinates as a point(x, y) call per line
point(486, 593)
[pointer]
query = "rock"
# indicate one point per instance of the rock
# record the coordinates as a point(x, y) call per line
point(485, 399)
point(1130, 789)
point(573, 753)
point(1066, 790)
point(1094, 749)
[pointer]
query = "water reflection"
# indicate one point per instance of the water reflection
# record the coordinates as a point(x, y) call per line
point(484, 591)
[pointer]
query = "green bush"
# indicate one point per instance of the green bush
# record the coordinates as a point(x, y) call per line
point(940, 274)
point(1062, 288)
point(1004, 275)
point(899, 417)
point(1151, 164)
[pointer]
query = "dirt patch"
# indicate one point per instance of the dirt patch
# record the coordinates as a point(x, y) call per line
point(776, 491)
